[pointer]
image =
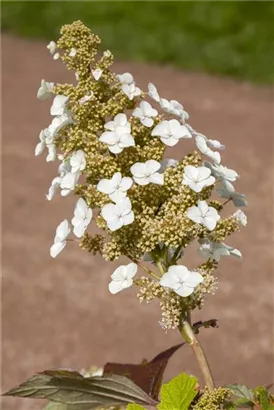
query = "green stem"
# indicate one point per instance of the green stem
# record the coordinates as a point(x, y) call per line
point(190, 337)
point(160, 267)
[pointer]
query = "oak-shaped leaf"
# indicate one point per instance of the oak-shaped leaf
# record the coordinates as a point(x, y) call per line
point(241, 391)
point(147, 375)
point(178, 393)
point(82, 393)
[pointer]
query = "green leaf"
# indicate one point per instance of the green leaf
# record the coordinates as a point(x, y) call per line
point(178, 393)
point(263, 396)
point(243, 403)
point(135, 407)
point(80, 393)
point(229, 405)
point(239, 390)
point(52, 405)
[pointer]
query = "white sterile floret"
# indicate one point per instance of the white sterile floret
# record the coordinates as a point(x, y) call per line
point(171, 107)
point(201, 143)
point(215, 144)
point(97, 73)
point(59, 105)
point(145, 113)
point(228, 191)
point(59, 122)
point(204, 215)
point(240, 217)
point(170, 132)
point(181, 280)
point(131, 90)
point(197, 178)
point(219, 171)
point(61, 235)
point(116, 187)
point(41, 145)
point(145, 173)
point(52, 47)
point(68, 183)
point(168, 163)
point(56, 56)
point(153, 93)
point(51, 153)
point(122, 277)
point(216, 250)
point(125, 78)
point(64, 169)
point(82, 217)
point(78, 161)
point(118, 135)
point(118, 215)
point(45, 90)
point(52, 189)
point(128, 85)
point(73, 52)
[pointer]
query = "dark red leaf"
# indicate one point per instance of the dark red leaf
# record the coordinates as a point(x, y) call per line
point(147, 375)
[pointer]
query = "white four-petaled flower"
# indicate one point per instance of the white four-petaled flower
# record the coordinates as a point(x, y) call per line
point(78, 161)
point(118, 135)
point(59, 122)
point(125, 78)
point(60, 239)
point(59, 105)
point(216, 250)
point(197, 178)
point(240, 217)
point(221, 172)
point(128, 85)
point(118, 215)
point(181, 280)
point(170, 132)
point(122, 277)
point(52, 47)
point(68, 183)
point(202, 144)
point(116, 187)
point(172, 107)
point(82, 217)
point(204, 215)
point(145, 173)
point(45, 90)
point(145, 113)
point(228, 191)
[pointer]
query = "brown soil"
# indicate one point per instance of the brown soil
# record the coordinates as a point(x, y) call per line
point(59, 313)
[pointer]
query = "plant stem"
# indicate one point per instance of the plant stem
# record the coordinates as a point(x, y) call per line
point(160, 267)
point(188, 334)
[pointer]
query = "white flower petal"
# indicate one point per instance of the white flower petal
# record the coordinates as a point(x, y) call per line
point(56, 248)
point(97, 73)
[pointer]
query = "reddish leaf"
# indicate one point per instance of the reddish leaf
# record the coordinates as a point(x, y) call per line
point(147, 375)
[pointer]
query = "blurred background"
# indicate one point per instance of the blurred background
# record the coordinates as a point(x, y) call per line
point(217, 59)
point(230, 38)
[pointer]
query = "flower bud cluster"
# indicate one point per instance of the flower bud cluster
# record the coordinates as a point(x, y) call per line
point(212, 400)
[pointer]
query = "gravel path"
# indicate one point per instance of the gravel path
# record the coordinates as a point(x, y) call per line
point(59, 313)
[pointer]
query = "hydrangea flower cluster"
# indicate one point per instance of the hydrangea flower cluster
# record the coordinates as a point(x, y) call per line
point(110, 145)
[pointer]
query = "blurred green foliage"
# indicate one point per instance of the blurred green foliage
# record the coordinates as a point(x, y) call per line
point(229, 37)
